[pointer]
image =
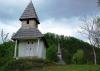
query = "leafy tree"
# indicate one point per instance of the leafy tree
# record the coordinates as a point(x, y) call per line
point(78, 57)
point(66, 55)
point(52, 54)
point(6, 52)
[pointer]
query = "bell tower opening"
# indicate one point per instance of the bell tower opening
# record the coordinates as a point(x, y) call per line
point(27, 21)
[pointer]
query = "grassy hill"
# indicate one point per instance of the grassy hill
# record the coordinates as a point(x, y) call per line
point(73, 68)
point(67, 68)
point(42, 65)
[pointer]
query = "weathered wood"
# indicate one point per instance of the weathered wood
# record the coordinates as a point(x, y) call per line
point(15, 52)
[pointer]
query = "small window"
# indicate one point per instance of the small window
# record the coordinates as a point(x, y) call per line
point(27, 21)
point(28, 42)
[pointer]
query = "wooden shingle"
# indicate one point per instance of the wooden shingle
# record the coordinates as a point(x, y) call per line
point(29, 13)
point(27, 34)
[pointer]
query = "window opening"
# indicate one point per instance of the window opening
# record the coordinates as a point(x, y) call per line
point(27, 21)
point(28, 42)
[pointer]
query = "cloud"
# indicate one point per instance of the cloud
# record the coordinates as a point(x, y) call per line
point(68, 8)
point(67, 27)
point(64, 26)
point(12, 9)
point(9, 28)
point(56, 16)
point(19, 3)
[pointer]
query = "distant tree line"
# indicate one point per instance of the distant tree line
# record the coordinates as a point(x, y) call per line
point(74, 51)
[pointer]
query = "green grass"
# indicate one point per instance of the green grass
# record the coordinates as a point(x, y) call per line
point(43, 65)
point(73, 68)
point(69, 68)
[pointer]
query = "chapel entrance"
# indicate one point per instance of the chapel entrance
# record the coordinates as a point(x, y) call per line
point(31, 50)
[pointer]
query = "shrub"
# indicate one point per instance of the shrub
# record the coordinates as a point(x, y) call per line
point(25, 64)
point(52, 54)
point(78, 57)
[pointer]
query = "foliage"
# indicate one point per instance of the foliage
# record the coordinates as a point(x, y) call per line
point(52, 47)
point(6, 52)
point(25, 65)
point(78, 57)
point(52, 54)
point(69, 46)
point(72, 48)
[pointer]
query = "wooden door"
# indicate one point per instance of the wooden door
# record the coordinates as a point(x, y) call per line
point(31, 49)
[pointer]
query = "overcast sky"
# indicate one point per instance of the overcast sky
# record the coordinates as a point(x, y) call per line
point(62, 17)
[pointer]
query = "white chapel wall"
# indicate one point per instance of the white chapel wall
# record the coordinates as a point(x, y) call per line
point(24, 49)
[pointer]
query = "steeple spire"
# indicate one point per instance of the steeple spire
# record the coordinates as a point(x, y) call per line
point(30, 13)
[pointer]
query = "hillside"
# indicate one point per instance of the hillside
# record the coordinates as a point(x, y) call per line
point(73, 68)
point(74, 51)
point(41, 65)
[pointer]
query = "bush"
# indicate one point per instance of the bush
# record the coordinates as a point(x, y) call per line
point(78, 57)
point(6, 52)
point(25, 64)
point(52, 54)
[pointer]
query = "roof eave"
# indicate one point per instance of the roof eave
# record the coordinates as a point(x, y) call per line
point(22, 19)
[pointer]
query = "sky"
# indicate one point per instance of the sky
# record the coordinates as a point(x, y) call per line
point(62, 17)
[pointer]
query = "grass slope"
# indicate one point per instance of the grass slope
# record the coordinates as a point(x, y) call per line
point(73, 68)
point(43, 65)
point(67, 68)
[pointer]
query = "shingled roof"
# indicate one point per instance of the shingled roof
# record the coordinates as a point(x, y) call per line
point(27, 34)
point(30, 13)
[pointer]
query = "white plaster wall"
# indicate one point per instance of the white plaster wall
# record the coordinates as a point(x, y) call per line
point(25, 49)
point(42, 50)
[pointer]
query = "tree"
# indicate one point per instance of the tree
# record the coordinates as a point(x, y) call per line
point(4, 36)
point(97, 33)
point(91, 29)
point(52, 54)
point(69, 46)
point(6, 52)
point(78, 57)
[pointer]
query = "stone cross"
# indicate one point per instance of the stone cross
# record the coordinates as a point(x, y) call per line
point(59, 54)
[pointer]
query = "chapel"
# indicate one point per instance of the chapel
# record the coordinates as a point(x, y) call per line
point(29, 41)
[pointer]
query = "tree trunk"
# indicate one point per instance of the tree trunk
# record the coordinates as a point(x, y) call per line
point(94, 53)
